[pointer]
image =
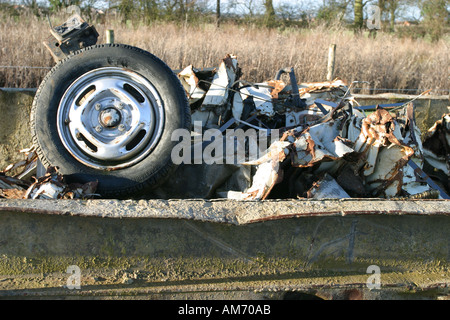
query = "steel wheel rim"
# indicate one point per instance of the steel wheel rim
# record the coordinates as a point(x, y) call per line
point(110, 118)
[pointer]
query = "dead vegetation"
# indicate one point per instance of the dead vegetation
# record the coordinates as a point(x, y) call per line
point(385, 62)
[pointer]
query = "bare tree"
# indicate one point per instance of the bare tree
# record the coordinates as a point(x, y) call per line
point(391, 9)
point(359, 19)
point(333, 10)
point(393, 6)
point(269, 14)
point(243, 7)
point(435, 17)
point(149, 10)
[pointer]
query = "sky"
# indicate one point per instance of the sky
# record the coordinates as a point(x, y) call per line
point(411, 13)
point(242, 8)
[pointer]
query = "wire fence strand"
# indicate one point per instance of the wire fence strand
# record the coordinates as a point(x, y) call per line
point(363, 90)
point(24, 67)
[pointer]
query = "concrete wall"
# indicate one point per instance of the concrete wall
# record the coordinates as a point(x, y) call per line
point(15, 107)
point(140, 256)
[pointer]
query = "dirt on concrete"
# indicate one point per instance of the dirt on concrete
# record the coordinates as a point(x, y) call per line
point(15, 107)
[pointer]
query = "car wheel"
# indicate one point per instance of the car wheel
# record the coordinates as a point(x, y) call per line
point(106, 113)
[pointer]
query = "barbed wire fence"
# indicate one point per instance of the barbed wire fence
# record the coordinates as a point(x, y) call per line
point(355, 90)
point(22, 77)
point(24, 67)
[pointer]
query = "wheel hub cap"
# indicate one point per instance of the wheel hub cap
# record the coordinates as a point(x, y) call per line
point(110, 117)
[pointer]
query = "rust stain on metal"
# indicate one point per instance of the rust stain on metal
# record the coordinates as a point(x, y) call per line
point(277, 87)
point(228, 60)
point(322, 86)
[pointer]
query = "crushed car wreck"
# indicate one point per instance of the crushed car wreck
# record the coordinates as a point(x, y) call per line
point(318, 143)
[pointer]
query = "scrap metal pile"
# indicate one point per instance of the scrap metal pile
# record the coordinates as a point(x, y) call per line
point(328, 147)
point(18, 181)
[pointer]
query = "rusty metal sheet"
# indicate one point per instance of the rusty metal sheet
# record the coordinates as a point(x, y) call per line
point(21, 168)
point(74, 34)
point(377, 154)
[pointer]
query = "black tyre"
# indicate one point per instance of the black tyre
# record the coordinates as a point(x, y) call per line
point(106, 114)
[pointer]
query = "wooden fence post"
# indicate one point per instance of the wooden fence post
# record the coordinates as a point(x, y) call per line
point(331, 61)
point(109, 36)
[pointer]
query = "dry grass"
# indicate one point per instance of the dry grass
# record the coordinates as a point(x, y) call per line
point(386, 62)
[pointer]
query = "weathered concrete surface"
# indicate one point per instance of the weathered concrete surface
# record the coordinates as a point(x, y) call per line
point(15, 107)
point(124, 249)
point(227, 211)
